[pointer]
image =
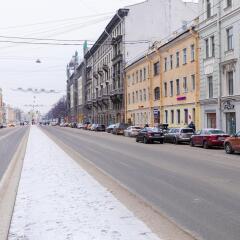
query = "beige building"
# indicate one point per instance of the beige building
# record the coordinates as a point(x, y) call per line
point(180, 80)
point(163, 85)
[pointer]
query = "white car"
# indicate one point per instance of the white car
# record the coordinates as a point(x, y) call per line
point(132, 131)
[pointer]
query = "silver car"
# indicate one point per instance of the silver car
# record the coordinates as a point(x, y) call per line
point(177, 135)
point(131, 131)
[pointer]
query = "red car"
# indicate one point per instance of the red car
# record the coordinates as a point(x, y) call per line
point(208, 137)
point(232, 143)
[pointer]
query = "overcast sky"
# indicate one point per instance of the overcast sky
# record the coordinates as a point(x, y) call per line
point(18, 65)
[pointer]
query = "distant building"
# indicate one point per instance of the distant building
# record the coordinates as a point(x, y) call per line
point(1, 107)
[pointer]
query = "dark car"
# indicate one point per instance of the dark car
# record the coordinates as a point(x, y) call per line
point(208, 138)
point(109, 129)
point(232, 144)
point(100, 128)
point(177, 135)
point(119, 128)
point(150, 135)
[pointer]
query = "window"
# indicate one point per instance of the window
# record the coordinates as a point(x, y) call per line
point(141, 75)
point(185, 116)
point(133, 78)
point(165, 89)
point(156, 68)
point(157, 93)
point(230, 82)
point(140, 95)
point(136, 76)
point(212, 46)
point(171, 88)
point(210, 87)
point(229, 38)
point(165, 64)
point(178, 86)
point(193, 114)
point(178, 117)
point(229, 3)
point(172, 116)
point(133, 98)
point(144, 74)
point(129, 80)
point(208, 8)
point(177, 59)
point(192, 52)
point(207, 48)
point(184, 56)
point(136, 96)
point(193, 82)
point(166, 116)
point(129, 100)
point(211, 120)
point(171, 61)
point(144, 95)
point(185, 88)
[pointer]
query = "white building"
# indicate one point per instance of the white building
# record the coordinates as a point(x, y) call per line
point(219, 59)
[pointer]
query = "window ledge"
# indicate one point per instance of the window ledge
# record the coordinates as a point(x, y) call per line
point(230, 51)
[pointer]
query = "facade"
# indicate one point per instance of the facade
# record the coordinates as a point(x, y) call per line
point(219, 61)
point(1, 107)
point(180, 80)
point(117, 47)
point(138, 110)
point(163, 85)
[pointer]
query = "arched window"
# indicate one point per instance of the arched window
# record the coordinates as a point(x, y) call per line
point(157, 93)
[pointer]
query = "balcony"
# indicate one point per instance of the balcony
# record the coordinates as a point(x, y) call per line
point(117, 58)
point(116, 40)
point(100, 72)
point(105, 67)
point(95, 75)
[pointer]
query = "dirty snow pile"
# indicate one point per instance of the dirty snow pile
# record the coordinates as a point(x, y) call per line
point(57, 199)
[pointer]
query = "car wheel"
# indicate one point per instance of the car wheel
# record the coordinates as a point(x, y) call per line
point(137, 139)
point(145, 140)
point(175, 141)
point(191, 143)
point(205, 145)
point(228, 148)
point(161, 141)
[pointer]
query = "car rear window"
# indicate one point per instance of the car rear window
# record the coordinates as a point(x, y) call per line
point(216, 131)
point(187, 130)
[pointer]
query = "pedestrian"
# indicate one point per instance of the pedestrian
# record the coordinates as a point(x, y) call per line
point(192, 125)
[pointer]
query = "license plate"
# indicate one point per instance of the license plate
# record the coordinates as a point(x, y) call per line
point(221, 138)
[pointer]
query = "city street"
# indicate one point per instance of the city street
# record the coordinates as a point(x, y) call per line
point(9, 141)
point(198, 189)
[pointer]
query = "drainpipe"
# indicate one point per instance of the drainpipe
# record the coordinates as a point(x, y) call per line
point(218, 62)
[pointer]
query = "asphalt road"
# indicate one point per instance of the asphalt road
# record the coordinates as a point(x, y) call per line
point(9, 141)
point(196, 188)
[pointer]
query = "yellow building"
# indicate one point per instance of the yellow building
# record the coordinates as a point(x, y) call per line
point(180, 80)
point(137, 92)
point(163, 85)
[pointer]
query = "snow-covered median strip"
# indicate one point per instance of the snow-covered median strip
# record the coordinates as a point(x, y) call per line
point(57, 199)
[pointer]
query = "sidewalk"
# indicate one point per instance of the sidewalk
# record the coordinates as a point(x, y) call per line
point(57, 199)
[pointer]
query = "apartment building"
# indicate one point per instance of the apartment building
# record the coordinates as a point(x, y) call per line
point(219, 61)
point(180, 80)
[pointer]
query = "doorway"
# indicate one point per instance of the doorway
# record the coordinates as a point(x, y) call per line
point(231, 123)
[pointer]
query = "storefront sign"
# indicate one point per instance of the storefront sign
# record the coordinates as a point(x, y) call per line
point(181, 98)
point(228, 106)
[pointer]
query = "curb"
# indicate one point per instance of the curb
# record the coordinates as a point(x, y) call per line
point(9, 187)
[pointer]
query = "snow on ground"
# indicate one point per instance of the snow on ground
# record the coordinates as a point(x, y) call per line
point(57, 199)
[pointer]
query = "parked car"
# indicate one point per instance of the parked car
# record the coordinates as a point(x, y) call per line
point(150, 135)
point(208, 138)
point(80, 126)
point(232, 144)
point(93, 127)
point(100, 128)
point(109, 129)
point(119, 128)
point(89, 126)
point(132, 131)
point(177, 135)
